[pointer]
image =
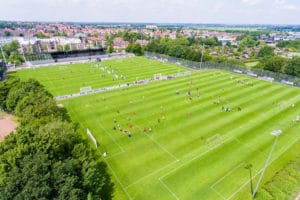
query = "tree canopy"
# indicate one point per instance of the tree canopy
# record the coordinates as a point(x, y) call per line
point(135, 48)
point(46, 158)
point(265, 51)
point(11, 53)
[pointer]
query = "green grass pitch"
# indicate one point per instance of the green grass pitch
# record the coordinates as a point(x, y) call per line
point(183, 144)
point(68, 79)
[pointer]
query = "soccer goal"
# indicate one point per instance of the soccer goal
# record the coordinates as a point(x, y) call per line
point(157, 76)
point(88, 132)
point(62, 67)
point(214, 141)
point(85, 89)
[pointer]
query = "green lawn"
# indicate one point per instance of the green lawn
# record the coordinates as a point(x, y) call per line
point(68, 79)
point(191, 148)
point(251, 64)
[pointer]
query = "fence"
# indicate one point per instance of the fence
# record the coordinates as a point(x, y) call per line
point(254, 72)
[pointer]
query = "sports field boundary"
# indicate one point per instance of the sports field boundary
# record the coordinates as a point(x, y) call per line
point(169, 189)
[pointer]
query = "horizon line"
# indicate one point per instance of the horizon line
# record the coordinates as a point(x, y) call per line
point(151, 23)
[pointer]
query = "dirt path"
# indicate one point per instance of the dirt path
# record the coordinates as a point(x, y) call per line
point(8, 124)
point(298, 197)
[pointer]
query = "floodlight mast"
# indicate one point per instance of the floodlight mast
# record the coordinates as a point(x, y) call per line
point(202, 56)
point(276, 133)
point(3, 54)
point(23, 53)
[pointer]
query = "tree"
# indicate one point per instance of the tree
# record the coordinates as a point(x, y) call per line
point(5, 87)
point(293, 67)
point(110, 49)
point(35, 106)
point(20, 90)
point(67, 47)
point(135, 48)
point(294, 44)
point(7, 34)
point(41, 35)
point(11, 53)
point(265, 52)
point(11, 47)
point(16, 58)
point(275, 64)
point(28, 180)
point(46, 158)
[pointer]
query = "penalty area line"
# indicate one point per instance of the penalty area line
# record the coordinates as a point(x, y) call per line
point(152, 173)
point(196, 157)
point(218, 193)
point(227, 174)
point(116, 177)
point(169, 189)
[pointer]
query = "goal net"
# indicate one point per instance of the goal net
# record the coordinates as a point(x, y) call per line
point(62, 67)
point(85, 89)
point(214, 141)
point(88, 132)
point(157, 76)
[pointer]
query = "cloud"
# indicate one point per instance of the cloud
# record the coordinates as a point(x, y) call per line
point(284, 5)
point(195, 11)
point(251, 2)
point(218, 7)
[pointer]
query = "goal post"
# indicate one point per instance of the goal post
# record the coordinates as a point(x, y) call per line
point(157, 76)
point(88, 132)
point(214, 141)
point(85, 89)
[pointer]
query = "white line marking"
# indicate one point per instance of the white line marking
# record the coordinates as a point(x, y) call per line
point(189, 161)
point(113, 172)
point(218, 193)
point(163, 148)
point(227, 174)
point(115, 154)
point(152, 173)
point(116, 177)
point(113, 139)
point(173, 194)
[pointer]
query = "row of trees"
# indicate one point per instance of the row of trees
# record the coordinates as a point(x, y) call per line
point(293, 44)
point(178, 48)
point(269, 61)
point(189, 48)
point(46, 158)
point(137, 49)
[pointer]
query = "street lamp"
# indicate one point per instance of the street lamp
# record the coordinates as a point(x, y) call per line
point(249, 167)
point(276, 133)
point(3, 54)
point(202, 55)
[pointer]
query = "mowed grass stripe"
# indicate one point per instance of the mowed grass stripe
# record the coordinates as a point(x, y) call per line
point(63, 81)
point(254, 154)
point(149, 160)
point(194, 136)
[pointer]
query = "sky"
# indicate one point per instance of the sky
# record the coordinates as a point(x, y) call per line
point(157, 11)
